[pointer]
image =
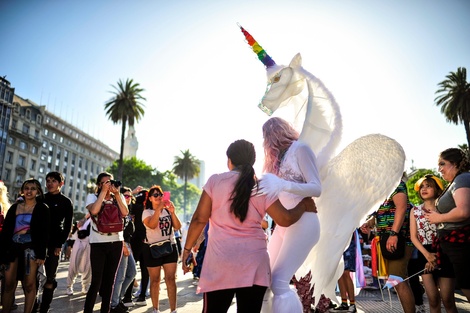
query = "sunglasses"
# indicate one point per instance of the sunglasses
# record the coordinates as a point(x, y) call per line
point(156, 195)
point(127, 196)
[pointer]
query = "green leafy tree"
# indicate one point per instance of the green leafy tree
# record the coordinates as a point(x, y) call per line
point(125, 108)
point(137, 173)
point(454, 99)
point(186, 167)
point(193, 194)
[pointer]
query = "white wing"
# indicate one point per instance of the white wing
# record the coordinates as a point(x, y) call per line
point(357, 180)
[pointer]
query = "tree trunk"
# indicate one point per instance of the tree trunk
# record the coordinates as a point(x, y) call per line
point(121, 153)
point(467, 132)
point(184, 197)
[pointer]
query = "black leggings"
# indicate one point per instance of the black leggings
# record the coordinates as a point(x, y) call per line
point(249, 299)
point(104, 259)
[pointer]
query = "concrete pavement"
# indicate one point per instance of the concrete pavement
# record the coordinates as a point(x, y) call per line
point(369, 301)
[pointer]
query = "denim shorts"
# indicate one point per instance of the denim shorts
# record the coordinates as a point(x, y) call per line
point(21, 238)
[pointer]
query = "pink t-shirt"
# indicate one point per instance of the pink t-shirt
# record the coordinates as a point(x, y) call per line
point(236, 254)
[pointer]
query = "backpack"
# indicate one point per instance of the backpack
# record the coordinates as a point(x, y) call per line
point(109, 219)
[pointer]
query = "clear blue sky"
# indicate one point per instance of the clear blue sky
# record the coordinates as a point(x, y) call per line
point(382, 60)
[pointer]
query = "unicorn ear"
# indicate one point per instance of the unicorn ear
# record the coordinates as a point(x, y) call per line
point(296, 61)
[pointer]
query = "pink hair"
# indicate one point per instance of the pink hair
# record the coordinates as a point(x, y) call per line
point(278, 136)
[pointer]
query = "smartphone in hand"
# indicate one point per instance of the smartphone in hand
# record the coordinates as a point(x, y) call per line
point(166, 196)
point(190, 261)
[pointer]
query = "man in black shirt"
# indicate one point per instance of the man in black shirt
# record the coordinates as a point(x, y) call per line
point(61, 209)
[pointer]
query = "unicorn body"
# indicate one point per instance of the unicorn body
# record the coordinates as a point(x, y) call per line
point(354, 181)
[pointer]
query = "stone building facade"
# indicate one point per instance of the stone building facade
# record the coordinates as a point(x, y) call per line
point(39, 142)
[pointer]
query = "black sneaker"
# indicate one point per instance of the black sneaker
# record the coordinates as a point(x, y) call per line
point(140, 301)
point(120, 308)
point(342, 308)
point(332, 305)
point(352, 308)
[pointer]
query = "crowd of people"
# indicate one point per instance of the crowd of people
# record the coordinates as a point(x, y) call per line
point(229, 228)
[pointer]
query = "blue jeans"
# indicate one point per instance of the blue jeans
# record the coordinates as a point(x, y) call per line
point(124, 277)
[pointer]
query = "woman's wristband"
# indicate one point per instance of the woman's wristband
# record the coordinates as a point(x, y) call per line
point(186, 249)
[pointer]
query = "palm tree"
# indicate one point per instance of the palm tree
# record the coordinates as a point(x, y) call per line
point(454, 99)
point(186, 168)
point(125, 107)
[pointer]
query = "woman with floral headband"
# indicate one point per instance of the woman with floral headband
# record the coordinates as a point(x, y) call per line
point(453, 214)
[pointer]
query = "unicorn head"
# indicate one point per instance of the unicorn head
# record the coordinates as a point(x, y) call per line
point(283, 82)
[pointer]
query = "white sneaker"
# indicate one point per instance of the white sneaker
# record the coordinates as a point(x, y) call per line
point(84, 290)
point(155, 311)
point(69, 291)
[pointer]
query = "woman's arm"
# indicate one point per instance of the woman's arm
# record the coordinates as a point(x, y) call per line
point(154, 220)
point(95, 207)
point(198, 222)
point(460, 213)
point(284, 217)
point(174, 218)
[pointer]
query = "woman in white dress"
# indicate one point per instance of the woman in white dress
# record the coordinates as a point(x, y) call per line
point(294, 164)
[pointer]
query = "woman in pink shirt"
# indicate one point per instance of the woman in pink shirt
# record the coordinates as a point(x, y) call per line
point(236, 260)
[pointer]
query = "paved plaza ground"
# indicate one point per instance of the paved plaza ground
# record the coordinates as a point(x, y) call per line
point(369, 301)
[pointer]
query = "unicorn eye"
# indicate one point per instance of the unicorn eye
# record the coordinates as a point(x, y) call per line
point(276, 79)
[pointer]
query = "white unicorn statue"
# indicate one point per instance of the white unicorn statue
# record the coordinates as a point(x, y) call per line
point(354, 182)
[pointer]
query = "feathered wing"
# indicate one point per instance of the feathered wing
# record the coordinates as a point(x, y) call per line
point(356, 181)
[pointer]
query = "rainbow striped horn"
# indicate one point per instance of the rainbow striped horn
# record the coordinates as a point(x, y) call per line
point(262, 55)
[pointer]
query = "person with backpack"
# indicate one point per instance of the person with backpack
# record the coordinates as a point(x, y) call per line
point(107, 208)
point(61, 214)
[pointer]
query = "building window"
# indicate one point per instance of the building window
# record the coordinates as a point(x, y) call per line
point(43, 156)
point(54, 136)
point(19, 179)
point(34, 149)
point(44, 144)
point(42, 169)
point(7, 174)
point(28, 114)
point(33, 165)
point(25, 128)
point(23, 145)
point(39, 119)
point(21, 160)
point(36, 134)
point(9, 157)
point(13, 124)
point(11, 141)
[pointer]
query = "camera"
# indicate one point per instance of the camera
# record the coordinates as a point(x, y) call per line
point(115, 183)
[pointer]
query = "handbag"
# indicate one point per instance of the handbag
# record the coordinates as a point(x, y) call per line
point(161, 248)
point(399, 249)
